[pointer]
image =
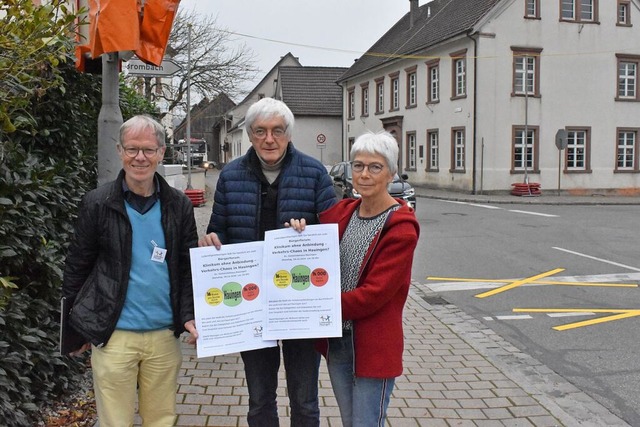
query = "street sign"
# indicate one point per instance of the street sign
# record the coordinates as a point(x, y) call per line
point(136, 67)
point(321, 138)
point(561, 139)
point(561, 142)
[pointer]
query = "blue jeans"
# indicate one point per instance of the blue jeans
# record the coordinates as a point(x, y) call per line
point(363, 402)
point(301, 363)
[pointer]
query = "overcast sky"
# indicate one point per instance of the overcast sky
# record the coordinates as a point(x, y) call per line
point(318, 32)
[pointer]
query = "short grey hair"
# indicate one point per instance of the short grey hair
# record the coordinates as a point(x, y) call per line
point(143, 122)
point(268, 108)
point(381, 143)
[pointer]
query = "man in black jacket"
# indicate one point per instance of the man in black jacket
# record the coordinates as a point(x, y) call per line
point(128, 276)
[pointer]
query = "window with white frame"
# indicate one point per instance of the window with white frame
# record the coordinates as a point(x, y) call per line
point(628, 77)
point(351, 103)
point(524, 154)
point(433, 150)
point(433, 73)
point(395, 92)
point(411, 151)
point(579, 10)
point(365, 99)
point(379, 96)
point(578, 150)
point(526, 71)
point(627, 150)
point(411, 87)
point(459, 74)
point(532, 9)
point(624, 11)
point(458, 150)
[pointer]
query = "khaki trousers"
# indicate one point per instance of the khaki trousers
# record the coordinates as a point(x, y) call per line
point(142, 362)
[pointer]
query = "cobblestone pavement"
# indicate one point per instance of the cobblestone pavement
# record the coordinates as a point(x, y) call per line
point(457, 373)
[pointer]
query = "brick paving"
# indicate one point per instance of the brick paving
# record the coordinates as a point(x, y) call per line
point(457, 373)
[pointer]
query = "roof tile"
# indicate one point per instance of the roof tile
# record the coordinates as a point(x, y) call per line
point(312, 91)
point(435, 22)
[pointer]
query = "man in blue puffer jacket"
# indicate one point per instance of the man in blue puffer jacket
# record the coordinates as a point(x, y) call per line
point(271, 184)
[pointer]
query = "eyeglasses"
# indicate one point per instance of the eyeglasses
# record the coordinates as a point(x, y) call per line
point(262, 133)
point(373, 168)
point(133, 151)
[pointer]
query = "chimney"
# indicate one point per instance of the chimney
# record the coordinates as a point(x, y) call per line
point(413, 12)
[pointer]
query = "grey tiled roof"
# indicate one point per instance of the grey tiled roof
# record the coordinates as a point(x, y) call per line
point(448, 18)
point(312, 91)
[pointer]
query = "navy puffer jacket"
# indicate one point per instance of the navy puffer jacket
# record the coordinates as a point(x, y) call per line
point(305, 189)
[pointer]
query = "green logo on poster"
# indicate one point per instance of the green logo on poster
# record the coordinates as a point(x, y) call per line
point(300, 277)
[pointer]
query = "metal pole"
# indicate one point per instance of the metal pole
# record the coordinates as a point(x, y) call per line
point(482, 165)
point(559, 168)
point(526, 119)
point(189, 187)
point(109, 120)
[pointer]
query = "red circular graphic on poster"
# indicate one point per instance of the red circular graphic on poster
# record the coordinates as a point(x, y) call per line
point(319, 277)
point(250, 291)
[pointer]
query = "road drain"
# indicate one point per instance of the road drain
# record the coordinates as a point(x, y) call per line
point(435, 300)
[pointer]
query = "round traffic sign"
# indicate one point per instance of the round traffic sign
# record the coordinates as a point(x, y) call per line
point(561, 139)
point(321, 138)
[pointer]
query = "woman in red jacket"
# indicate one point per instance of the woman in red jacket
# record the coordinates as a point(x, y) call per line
point(378, 235)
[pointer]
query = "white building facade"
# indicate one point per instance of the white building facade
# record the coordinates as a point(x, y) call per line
point(476, 93)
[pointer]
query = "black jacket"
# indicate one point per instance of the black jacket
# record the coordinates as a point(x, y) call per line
point(96, 272)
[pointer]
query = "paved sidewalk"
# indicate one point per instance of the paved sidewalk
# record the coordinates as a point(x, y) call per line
point(457, 373)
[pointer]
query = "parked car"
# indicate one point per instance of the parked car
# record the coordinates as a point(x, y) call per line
point(343, 184)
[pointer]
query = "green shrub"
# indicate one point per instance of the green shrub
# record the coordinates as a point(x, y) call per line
point(46, 166)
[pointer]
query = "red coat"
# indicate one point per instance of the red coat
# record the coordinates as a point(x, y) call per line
point(376, 305)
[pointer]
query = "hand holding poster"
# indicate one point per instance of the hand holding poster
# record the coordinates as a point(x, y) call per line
point(302, 283)
point(228, 298)
point(248, 295)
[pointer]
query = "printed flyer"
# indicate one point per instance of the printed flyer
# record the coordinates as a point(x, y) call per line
point(302, 283)
point(229, 298)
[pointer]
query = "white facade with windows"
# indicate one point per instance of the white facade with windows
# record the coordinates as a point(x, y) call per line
point(479, 110)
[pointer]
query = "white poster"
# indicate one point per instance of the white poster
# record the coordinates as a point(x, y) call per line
point(302, 283)
point(229, 298)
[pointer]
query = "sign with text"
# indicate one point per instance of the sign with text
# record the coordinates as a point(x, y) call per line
point(136, 67)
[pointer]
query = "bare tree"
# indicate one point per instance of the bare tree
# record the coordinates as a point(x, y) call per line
point(217, 66)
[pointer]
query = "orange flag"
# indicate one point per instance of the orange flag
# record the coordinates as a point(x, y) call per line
point(157, 20)
point(126, 25)
point(114, 25)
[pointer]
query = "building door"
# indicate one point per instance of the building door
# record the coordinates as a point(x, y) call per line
point(393, 125)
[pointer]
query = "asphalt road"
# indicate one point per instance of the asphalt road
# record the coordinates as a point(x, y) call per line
point(468, 251)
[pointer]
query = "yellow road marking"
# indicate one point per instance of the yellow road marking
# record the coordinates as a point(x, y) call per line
point(537, 282)
point(616, 314)
point(518, 283)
